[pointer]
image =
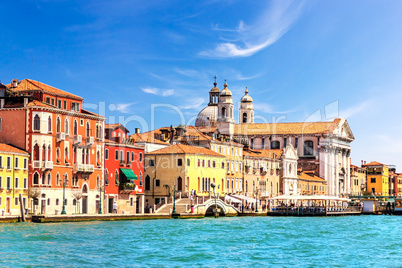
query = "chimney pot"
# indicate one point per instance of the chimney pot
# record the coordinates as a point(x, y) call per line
point(137, 130)
point(15, 83)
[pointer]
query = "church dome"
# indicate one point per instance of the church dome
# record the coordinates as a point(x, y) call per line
point(225, 91)
point(207, 117)
point(246, 97)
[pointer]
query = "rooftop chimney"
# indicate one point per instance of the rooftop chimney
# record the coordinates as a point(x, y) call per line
point(14, 83)
point(137, 130)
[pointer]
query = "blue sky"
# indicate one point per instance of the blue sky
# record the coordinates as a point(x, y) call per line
point(301, 61)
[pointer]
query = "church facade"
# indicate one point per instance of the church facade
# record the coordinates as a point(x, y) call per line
point(321, 147)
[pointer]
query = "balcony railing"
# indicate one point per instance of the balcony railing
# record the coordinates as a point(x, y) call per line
point(127, 187)
point(84, 168)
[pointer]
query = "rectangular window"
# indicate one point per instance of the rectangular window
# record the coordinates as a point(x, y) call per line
point(25, 183)
point(296, 142)
point(116, 155)
point(47, 100)
point(72, 106)
point(16, 201)
point(65, 105)
point(179, 162)
point(1, 182)
point(77, 107)
point(1, 201)
point(157, 183)
point(16, 162)
point(16, 183)
point(8, 183)
point(52, 101)
point(213, 164)
point(252, 144)
point(59, 104)
point(199, 162)
point(372, 180)
point(106, 154)
point(131, 202)
point(25, 163)
point(285, 142)
point(8, 162)
point(151, 162)
point(1, 161)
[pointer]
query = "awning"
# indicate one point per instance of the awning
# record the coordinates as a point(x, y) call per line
point(309, 197)
point(129, 174)
point(232, 200)
point(245, 198)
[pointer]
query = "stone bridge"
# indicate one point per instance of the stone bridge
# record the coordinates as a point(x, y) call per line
point(207, 208)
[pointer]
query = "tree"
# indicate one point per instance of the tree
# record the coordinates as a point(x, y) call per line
point(77, 194)
point(33, 193)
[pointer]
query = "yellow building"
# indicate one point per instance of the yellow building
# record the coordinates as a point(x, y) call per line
point(311, 184)
point(186, 167)
point(357, 179)
point(377, 178)
point(234, 162)
point(13, 179)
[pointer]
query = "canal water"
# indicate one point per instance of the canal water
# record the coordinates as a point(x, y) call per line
point(353, 241)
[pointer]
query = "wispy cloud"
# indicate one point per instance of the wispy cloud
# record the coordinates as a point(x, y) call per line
point(158, 92)
point(351, 111)
point(123, 107)
point(247, 40)
point(194, 103)
point(269, 109)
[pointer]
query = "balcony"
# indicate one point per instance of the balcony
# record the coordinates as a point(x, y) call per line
point(60, 137)
point(90, 140)
point(127, 187)
point(83, 168)
point(77, 139)
point(48, 165)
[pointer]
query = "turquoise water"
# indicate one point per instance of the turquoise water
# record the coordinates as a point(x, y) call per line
point(355, 241)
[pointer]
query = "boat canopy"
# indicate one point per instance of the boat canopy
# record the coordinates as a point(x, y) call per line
point(309, 197)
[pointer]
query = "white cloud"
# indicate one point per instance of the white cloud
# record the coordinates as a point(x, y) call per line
point(351, 111)
point(269, 109)
point(158, 92)
point(195, 103)
point(123, 107)
point(272, 24)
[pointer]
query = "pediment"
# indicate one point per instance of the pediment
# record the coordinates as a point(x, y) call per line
point(344, 131)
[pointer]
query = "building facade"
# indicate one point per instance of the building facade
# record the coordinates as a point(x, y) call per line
point(65, 141)
point(13, 179)
point(124, 171)
point(186, 168)
point(377, 178)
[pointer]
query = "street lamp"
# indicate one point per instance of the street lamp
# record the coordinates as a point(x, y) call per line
point(174, 198)
point(216, 214)
point(256, 201)
point(65, 183)
point(100, 196)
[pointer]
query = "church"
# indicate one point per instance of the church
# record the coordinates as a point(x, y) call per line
point(321, 147)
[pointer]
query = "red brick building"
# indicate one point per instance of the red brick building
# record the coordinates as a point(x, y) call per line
point(65, 141)
point(124, 171)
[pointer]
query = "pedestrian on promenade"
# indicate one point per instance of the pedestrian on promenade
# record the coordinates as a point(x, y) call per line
point(115, 208)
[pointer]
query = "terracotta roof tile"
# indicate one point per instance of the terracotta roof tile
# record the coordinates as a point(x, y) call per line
point(185, 149)
point(374, 163)
point(267, 153)
point(310, 176)
point(287, 128)
point(11, 149)
point(27, 85)
point(146, 137)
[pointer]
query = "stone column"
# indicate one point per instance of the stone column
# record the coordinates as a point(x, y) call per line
point(142, 204)
point(337, 191)
point(348, 170)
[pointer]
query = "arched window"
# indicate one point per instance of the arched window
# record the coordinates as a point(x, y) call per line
point(121, 156)
point(198, 184)
point(140, 178)
point(66, 126)
point(49, 124)
point(244, 117)
point(140, 157)
point(75, 127)
point(147, 183)
point(36, 152)
point(116, 178)
point(57, 179)
point(58, 125)
point(188, 162)
point(132, 156)
point(49, 179)
point(37, 122)
point(43, 152)
point(36, 178)
point(128, 157)
point(97, 132)
point(43, 182)
point(66, 157)
point(106, 177)
point(49, 153)
point(88, 130)
point(308, 148)
point(275, 145)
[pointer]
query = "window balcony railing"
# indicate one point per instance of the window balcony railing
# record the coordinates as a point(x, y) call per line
point(127, 187)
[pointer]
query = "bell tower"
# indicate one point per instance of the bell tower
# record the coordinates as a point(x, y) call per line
point(225, 121)
point(246, 111)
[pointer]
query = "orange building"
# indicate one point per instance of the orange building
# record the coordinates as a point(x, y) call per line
point(65, 141)
point(311, 184)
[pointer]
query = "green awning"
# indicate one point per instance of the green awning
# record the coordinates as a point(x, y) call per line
point(129, 174)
